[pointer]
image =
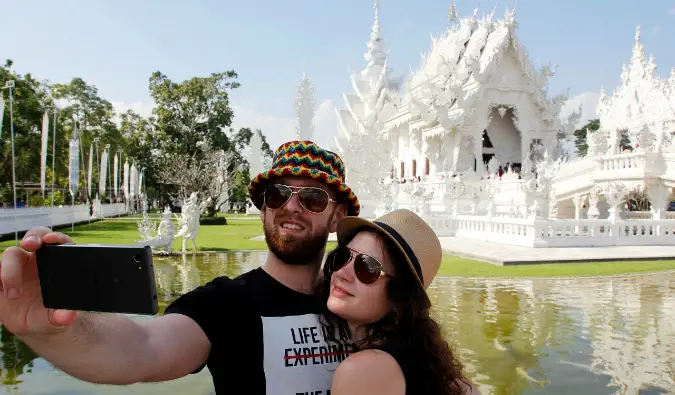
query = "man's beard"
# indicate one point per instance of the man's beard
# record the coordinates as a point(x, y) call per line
point(295, 251)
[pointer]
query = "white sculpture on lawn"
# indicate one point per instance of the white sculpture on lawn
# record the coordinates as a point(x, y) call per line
point(188, 221)
point(255, 167)
point(161, 237)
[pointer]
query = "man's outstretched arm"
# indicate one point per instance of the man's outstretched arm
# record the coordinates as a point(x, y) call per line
point(114, 349)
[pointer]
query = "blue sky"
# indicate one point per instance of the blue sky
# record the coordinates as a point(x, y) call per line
point(116, 45)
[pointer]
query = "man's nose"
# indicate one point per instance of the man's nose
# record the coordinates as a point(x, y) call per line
point(293, 204)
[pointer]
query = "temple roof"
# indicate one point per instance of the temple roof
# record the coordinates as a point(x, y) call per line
point(466, 55)
point(642, 99)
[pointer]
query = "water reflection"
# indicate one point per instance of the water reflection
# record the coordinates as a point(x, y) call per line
point(599, 336)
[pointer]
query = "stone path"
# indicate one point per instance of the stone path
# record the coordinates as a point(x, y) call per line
point(502, 254)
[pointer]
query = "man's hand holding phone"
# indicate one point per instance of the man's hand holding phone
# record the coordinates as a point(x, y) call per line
point(21, 309)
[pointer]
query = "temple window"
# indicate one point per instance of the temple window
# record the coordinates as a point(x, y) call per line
point(486, 140)
point(426, 166)
point(414, 169)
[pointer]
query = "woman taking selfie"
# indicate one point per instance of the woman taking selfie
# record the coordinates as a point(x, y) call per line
point(374, 284)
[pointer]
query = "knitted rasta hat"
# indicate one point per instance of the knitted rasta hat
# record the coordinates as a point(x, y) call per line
point(306, 159)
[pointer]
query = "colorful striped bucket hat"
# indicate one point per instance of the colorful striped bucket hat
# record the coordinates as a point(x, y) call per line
point(306, 159)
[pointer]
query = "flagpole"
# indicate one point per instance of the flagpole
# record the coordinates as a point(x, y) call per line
point(53, 155)
point(10, 85)
point(53, 162)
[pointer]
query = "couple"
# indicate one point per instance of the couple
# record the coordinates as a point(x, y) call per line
point(362, 328)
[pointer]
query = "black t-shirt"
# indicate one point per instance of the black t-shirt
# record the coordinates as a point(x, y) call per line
point(265, 337)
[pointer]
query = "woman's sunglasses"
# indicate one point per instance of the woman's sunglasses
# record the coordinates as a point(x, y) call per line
point(367, 269)
point(312, 199)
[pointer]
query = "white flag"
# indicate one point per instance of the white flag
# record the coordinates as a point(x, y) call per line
point(115, 168)
point(102, 176)
point(133, 181)
point(91, 156)
point(2, 114)
point(74, 162)
point(140, 183)
point(45, 140)
point(125, 179)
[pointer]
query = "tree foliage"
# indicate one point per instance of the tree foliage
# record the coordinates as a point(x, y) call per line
point(188, 116)
point(193, 111)
point(593, 126)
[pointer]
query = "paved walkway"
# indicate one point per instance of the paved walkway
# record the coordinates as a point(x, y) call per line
point(502, 254)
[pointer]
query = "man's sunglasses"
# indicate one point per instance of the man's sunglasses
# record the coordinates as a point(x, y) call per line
point(367, 269)
point(314, 200)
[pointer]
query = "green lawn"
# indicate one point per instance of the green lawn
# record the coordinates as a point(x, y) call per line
point(455, 266)
point(237, 234)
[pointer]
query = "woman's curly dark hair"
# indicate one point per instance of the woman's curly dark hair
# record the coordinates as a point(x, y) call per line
point(408, 328)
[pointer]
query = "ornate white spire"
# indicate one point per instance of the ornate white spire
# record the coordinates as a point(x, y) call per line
point(452, 12)
point(377, 53)
point(639, 48)
point(304, 109)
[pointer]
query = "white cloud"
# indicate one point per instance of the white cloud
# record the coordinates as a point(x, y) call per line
point(671, 11)
point(144, 109)
point(588, 102)
point(279, 129)
point(655, 30)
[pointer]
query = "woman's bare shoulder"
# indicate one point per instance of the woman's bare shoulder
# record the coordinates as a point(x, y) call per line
point(368, 372)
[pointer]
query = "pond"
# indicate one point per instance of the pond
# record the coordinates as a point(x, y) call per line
point(559, 336)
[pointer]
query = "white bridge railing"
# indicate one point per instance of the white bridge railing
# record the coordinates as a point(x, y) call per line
point(556, 233)
point(27, 218)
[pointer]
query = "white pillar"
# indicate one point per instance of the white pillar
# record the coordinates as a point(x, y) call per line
point(578, 201)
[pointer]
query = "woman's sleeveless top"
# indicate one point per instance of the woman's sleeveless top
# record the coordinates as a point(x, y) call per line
point(414, 383)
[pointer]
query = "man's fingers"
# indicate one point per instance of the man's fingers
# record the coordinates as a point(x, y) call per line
point(32, 240)
point(35, 237)
point(11, 271)
point(56, 238)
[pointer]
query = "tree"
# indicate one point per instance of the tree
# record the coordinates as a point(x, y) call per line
point(210, 173)
point(242, 138)
point(593, 126)
point(140, 143)
point(193, 111)
point(95, 123)
point(580, 134)
point(29, 101)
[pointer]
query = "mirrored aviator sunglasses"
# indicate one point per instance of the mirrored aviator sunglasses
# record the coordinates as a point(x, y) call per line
point(314, 200)
point(367, 269)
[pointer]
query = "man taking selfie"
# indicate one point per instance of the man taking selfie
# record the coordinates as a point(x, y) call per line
point(259, 332)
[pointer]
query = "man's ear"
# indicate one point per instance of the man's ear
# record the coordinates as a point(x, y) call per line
point(340, 212)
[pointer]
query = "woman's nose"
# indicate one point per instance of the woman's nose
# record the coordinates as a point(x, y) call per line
point(347, 270)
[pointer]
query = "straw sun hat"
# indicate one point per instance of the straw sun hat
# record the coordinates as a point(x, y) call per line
point(414, 238)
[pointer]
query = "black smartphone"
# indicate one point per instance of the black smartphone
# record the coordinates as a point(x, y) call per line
point(98, 278)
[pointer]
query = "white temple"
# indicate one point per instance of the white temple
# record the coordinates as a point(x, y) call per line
point(475, 144)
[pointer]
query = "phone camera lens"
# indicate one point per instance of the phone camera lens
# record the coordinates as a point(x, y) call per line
point(137, 257)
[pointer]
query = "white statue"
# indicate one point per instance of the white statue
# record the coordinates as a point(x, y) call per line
point(189, 221)
point(160, 238)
